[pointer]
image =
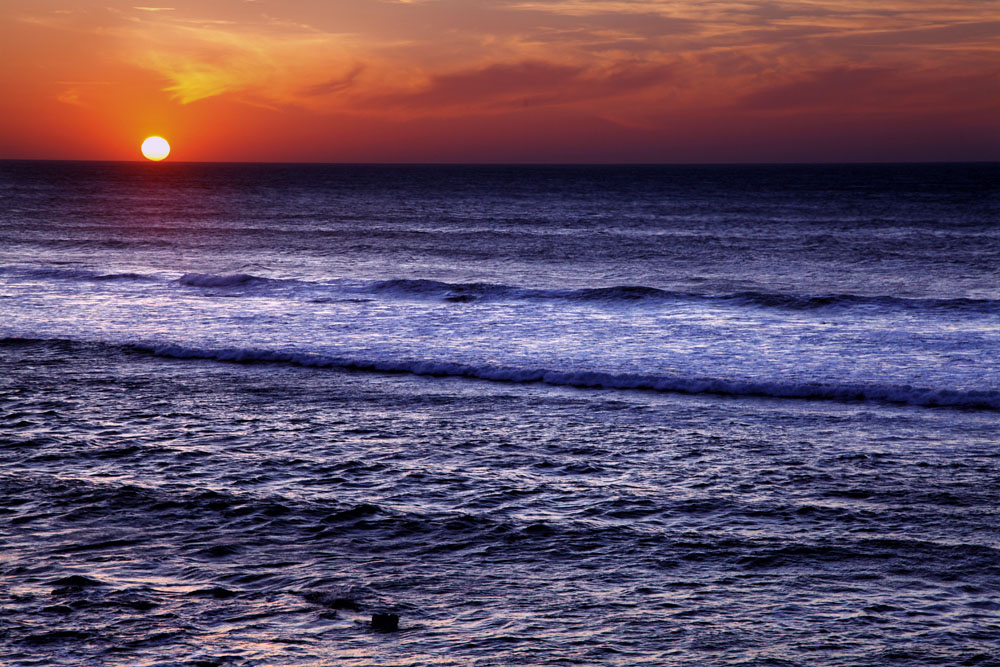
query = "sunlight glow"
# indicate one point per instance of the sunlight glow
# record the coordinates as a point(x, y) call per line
point(155, 148)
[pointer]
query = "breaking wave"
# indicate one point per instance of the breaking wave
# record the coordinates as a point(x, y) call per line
point(981, 399)
point(592, 379)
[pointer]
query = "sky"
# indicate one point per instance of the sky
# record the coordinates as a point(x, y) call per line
point(502, 80)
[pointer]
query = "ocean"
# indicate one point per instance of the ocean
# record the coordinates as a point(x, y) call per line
point(547, 415)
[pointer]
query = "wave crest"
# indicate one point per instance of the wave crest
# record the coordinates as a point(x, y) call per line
point(461, 292)
point(639, 294)
point(593, 379)
point(213, 280)
point(980, 399)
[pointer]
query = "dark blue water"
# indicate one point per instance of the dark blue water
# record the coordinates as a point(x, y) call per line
point(546, 415)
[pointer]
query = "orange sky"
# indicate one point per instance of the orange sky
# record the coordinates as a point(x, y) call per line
point(502, 80)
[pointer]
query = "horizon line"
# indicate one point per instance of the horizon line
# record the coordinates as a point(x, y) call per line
point(154, 164)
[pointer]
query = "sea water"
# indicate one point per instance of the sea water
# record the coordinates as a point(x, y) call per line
point(547, 415)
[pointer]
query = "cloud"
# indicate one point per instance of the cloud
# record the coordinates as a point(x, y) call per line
point(74, 91)
point(266, 62)
point(70, 96)
point(824, 88)
point(334, 85)
point(495, 82)
point(598, 7)
point(877, 90)
point(502, 86)
point(965, 34)
point(615, 59)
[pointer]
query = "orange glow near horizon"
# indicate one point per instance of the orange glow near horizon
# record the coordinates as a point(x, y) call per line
point(503, 80)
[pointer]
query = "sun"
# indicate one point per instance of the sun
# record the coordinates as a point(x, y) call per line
point(155, 148)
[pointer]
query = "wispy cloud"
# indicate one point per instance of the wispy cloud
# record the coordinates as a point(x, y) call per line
point(507, 86)
point(74, 93)
point(846, 90)
point(70, 96)
point(201, 57)
point(334, 85)
point(617, 58)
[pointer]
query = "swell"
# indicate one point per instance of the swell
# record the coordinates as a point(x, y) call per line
point(407, 288)
point(75, 274)
point(133, 515)
point(223, 280)
point(581, 379)
point(644, 294)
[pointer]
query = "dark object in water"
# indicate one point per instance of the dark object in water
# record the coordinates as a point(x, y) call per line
point(385, 622)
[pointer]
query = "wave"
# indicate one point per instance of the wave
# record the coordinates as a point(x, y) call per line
point(434, 289)
point(213, 280)
point(88, 275)
point(590, 379)
point(981, 399)
point(138, 277)
point(74, 274)
point(490, 291)
point(240, 279)
point(464, 292)
point(808, 302)
point(409, 288)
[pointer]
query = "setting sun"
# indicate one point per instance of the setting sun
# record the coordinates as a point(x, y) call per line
point(155, 148)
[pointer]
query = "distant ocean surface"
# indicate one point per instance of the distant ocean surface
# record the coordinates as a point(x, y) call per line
point(596, 415)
